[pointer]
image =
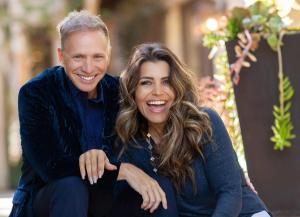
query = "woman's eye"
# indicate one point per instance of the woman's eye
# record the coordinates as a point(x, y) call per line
point(167, 82)
point(145, 82)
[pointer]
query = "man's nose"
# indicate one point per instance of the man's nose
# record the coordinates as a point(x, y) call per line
point(88, 66)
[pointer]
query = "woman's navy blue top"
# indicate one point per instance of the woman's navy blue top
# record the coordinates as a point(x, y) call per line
point(221, 187)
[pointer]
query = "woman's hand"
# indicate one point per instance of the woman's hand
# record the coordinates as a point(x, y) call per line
point(146, 186)
point(249, 183)
point(93, 163)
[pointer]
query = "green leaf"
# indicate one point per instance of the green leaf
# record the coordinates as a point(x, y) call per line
point(286, 80)
point(272, 41)
point(287, 107)
point(212, 39)
point(276, 108)
point(277, 124)
point(258, 19)
point(287, 116)
point(274, 131)
point(282, 128)
point(260, 8)
point(239, 13)
point(286, 84)
point(276, 115)
point(275, 24)
point(288, 95)
point(233, 27)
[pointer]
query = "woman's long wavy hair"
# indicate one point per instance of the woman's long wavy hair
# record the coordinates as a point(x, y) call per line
point(187, 127)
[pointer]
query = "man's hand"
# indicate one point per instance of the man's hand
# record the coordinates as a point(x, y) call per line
point(146, 186)
point(93, 163)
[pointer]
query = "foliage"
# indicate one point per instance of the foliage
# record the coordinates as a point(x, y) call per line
point(213, 39)
point(260, 19)
point(217, 92)
point(248, 26)
point(229, 113)
point(283, 125)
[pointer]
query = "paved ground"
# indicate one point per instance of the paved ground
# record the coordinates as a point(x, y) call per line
point(6, 198)
point(5, 203)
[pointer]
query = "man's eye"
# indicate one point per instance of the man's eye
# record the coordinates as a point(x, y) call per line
point(77, 57)
point(99, 57)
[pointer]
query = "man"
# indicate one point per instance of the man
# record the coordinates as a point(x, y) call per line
point(67, 116)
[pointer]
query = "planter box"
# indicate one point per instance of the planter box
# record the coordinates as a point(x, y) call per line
point(275, 174)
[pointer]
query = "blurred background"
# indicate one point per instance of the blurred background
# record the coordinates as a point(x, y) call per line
point(28, 42)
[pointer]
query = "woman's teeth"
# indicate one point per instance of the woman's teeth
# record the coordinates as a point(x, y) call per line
point(157, 102)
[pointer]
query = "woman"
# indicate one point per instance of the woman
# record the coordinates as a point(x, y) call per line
point(167, 134)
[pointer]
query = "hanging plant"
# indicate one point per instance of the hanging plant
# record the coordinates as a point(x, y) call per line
point(283, 126)
point(248, 26)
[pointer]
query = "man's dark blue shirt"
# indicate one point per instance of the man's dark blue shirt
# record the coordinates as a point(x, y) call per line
point(91, 113)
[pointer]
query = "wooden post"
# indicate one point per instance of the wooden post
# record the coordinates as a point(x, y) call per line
point(4, 177)
point(173, 32)
point(92, 6)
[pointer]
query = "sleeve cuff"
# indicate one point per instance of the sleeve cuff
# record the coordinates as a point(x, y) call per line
point(109, 178)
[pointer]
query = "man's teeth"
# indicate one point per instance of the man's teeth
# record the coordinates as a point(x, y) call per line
point(158, 102)
point(87, 78)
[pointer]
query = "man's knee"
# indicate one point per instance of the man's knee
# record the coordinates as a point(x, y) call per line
point(70, 187)
point(64, 197)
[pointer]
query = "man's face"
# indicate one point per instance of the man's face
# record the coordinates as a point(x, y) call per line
point(85, 57)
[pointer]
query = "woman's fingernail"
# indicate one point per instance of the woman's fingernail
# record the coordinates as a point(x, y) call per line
point(95, 179)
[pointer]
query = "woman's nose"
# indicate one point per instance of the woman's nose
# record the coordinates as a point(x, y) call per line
point(157, 90)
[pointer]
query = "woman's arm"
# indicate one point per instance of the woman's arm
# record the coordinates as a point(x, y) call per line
point(223, 170)
point(139, 159)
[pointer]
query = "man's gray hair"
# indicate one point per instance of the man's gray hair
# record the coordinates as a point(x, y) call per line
point(80, 21)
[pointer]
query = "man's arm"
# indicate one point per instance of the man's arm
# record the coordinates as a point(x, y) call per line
point(40, 137)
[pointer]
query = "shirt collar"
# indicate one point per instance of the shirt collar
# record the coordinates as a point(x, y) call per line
point(78, 93)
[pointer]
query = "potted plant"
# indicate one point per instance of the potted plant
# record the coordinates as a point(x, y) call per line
point(264, 63)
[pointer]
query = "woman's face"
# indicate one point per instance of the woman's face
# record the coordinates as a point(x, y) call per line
point(154, 95)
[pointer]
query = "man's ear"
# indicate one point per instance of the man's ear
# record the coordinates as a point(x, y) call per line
point(108, 55)
point(60, 55)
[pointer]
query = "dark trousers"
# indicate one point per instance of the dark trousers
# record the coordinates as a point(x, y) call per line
point(127, 202)
point(72, 197)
